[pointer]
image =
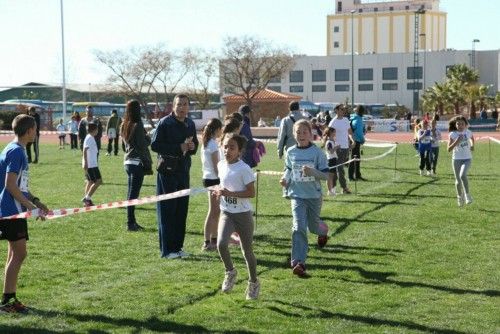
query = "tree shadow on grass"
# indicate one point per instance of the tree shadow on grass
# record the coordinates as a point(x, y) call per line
point(357, 218)
point(152, 324)
point(302, 311)
point(403, 284)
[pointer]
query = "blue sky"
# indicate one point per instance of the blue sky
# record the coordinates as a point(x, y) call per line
point(31, 35)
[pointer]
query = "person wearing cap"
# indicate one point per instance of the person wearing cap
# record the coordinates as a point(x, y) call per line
point(244, 110)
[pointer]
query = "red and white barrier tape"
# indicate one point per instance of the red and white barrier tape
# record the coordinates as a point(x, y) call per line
point(53, 214)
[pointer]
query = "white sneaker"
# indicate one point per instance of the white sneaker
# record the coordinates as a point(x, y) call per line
point(332, 192)
point(229, 280)
point(468, 199)
point(428, 173)
point(460, 200)
point(183, 254)
point(173, 255)
point(253, 290)
point(421, 172)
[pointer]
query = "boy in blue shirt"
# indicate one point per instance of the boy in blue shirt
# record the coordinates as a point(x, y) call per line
point(15, 198)
point(305, 165)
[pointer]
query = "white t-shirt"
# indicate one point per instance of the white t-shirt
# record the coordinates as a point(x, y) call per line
point(61, 129)
point(235, 177)
point(330, 149)
point(341, 126)
point(91, 152)
point(206, 160)
point(462, 150)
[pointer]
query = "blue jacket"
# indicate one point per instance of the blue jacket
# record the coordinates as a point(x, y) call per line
point(358, 128)
point(170, 134)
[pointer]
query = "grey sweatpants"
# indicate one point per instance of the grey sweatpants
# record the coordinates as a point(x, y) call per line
point(460, 169)
point(342, 156)
point(241, 223)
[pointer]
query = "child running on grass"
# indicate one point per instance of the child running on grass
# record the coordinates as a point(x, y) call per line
point(461, 142)
point(209, 161)
point(435, 140)
point(305, 166)
point(424, 147)
point(235, 190)
point(89, 164)
point(15, 198)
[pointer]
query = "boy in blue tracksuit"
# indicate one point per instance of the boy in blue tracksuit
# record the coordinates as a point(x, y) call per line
point(305, 165)
point(358, 137)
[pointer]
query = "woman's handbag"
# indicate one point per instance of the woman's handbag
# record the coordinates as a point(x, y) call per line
point(167, 164)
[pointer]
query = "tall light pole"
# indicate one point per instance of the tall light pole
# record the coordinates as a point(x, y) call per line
point(90, 97)
point(417, 13)
point(352, 59)
point(425, 57)
point(312, 90)
point(473, 54)
point(63, 65)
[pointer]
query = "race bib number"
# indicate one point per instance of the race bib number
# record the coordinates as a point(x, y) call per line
point(298, 175)
point(231, 200)
point(23, 185)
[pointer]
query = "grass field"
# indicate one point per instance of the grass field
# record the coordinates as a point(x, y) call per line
point(402, 257)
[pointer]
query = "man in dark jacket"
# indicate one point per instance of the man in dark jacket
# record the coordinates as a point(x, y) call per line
point(175, 142)
point(82, 128)
point(36, 143)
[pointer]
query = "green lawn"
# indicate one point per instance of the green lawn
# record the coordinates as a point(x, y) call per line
point(402, 257)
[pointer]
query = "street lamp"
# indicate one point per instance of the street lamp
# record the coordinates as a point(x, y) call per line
point(312, 83)
point(473, 54)
point(90, 98)
point(352, 59)
point(425, 56)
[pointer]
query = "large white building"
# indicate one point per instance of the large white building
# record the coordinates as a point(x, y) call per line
point(380, 78)
point(385, 27)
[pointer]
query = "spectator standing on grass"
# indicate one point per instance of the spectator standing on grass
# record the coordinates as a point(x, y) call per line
point(35, 143)
point(89, 164)
point(331, 147)
point(61, 133)
point(73, 132)
point(305, 166)
point(358, 136)
point(16, 198)
point(461, 143)
point(113, 132)
point(137, 159)
point(285, 133)
point(175, 141)
point(343, 130)
point(82, 128)
point(236, 188)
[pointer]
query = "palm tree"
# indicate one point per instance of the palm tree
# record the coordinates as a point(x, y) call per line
point(436, 98)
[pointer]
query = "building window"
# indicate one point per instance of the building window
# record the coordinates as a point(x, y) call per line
point(275, 88)
point(360, 10)
point(411, 85)
point(341, 88)
point(365, 87)
point(296, 76)
point(275, 80)
point(391, 8)
point(318, 75)
point(407, 7)
point(365, 74)
point(390, 73)
point(319, 88)
point(336, 29)
point(414, 72)
point(296, 89)
point(342, 75)
point(390, 86)
point(375, 9)
point(339, 6)
point(335, 44)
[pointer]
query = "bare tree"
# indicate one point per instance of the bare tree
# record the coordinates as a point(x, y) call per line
point(202, 76)
point(249, 64)
point(147, 73)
